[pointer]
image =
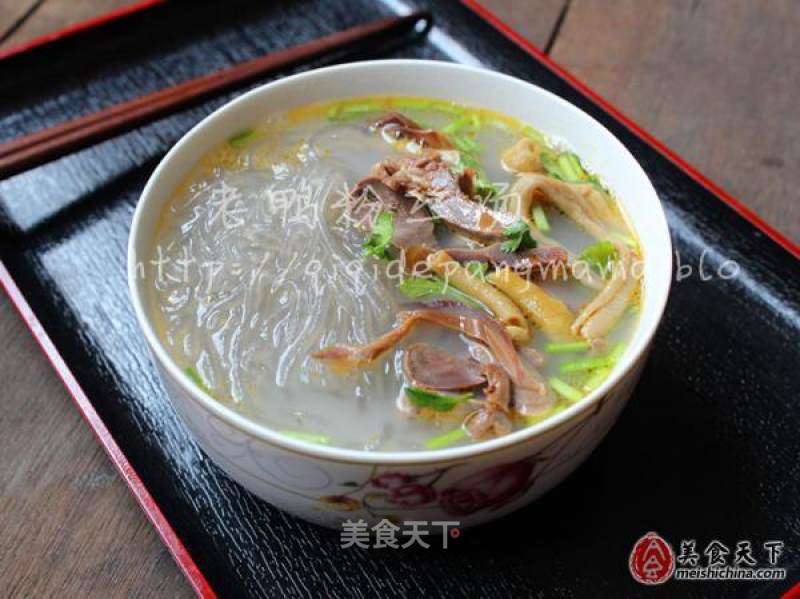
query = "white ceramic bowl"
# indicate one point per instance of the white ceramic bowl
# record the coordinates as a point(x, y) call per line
point(471, 484)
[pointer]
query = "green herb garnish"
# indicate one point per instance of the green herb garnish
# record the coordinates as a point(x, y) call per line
point(422, 398)
point(517, 236)
point(540, 219)
point(595, 362)
point(470, 120)
point(485, 188)
point(197, 379)
point(544, 414)
point(566, 166)
point(242, 138)
point(596, 379)
point(380, 238)
point(446, 439)
point(585, 364)
point(411, 104)
point(465, 144)
point(571, 167)
point(422, 287)
point(565, 390)
point(568, 347)
point(600, 256)
point(317, 438)
point(351, 110)
point(447, 108)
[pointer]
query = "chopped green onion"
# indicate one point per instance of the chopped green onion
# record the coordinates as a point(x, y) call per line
point(517, 228)
point(466, 160)
point(571, 167)
point(347, 111)
point(585, 364)
point(600, 256)
point(445, 439)
point(540, 219)
point(544, 415)
point(421, 287)
point(550, 165)
point(422, 398)
point(471, 120)
point(567, 167)
point(317, 438)
point(437, 106)
point(411, 104)
point(446, 107)
point(465, 144)
point(381, 237)
point(517, 235)
point(594, 362)
point(197, 379)
point(566, 391)
point(617, 351)
point(567, 347)
point(477, 269)
point(242, 138)
point(596, 379)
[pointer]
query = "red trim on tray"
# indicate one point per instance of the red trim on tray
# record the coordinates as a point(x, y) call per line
point(112, 15)
point(737, 205)
point(85, 407)
point(793, 593)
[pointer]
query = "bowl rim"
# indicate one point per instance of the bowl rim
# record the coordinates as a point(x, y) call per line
point(272, 437)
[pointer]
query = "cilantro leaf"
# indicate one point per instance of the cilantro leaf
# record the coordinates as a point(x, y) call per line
point(517, 236)
point(381, 237)
point(421, 287)
point(600, 256)
point(423, 398)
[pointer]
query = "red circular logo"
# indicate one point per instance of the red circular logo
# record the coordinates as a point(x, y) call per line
point(652, 560)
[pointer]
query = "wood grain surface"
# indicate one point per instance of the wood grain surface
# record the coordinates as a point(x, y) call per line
point(715, 79)
point(69, 524)
point(22, 20)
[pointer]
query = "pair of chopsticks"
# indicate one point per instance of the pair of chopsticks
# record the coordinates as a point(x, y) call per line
point(48, 144)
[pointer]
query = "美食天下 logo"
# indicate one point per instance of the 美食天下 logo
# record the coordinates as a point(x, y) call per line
point(652, 560)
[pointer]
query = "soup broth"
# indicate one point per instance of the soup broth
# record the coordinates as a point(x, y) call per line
point(262, 279)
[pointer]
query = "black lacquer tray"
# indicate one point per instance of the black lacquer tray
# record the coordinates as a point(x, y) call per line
point(707, 449)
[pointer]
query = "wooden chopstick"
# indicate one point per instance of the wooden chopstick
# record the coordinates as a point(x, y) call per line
point(51, 143)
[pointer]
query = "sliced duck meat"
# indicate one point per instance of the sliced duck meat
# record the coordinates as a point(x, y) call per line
point(493, 418)
point(531, 395)
point(413, 225)
point(430, 180)
point(398, 126)
point(433, 368)
point(547, 262)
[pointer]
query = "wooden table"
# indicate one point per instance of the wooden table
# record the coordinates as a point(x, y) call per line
point(716, 80)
